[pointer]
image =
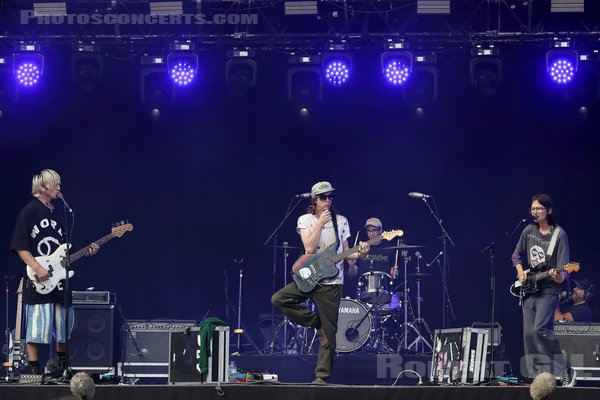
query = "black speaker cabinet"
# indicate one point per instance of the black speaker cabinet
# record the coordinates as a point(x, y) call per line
point(91, 347)
point(581, 345)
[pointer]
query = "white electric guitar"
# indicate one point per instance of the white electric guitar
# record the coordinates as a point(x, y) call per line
point(55, 263)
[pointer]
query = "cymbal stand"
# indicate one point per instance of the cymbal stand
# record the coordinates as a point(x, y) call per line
point(282, 328)
point(419, 322)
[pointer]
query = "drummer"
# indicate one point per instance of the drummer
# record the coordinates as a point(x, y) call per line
point(377, 259)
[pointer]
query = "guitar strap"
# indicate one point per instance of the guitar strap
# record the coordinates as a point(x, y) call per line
point(553, 242)
point(335, 228)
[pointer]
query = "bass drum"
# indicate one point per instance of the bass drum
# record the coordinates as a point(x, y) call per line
point(354, 326)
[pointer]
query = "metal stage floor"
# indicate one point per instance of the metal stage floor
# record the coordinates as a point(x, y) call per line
point(288, 391)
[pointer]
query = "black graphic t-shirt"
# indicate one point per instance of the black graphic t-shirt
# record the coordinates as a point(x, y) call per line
point(377, 259)
point(39, 230)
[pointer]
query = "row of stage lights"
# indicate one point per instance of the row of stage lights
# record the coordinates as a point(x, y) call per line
point(334, 67)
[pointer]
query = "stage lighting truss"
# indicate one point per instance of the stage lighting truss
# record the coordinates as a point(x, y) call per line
point(28, 65)
point(486, 69)
point(397, 66)
point(562, 65)
point(240, 71)
point(336, 67)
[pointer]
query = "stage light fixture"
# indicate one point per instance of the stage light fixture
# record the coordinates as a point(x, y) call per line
point(567, 6)
point(304, 80)
point(240, 71)
point(562, 65)
point(486, 69)
point(182, 64)
point(433, 6)
point(156, 88)
point(28, 68)
point(336, 65)
point(87, 67)
point(397, 67)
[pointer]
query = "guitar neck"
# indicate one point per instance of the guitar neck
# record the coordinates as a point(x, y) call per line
point(19, 311)
point(355, 249)
point(76, 256)
point(545, 274)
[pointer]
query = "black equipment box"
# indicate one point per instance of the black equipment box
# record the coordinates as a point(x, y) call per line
point(459, 355)
point(580, 342)
point(185, 352)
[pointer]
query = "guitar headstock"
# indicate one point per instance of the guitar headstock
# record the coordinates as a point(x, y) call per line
point(572, 267)
point(389, 235)
point(120, 228)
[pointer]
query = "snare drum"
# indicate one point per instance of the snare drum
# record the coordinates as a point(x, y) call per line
point(374, 287)
point(354, 326)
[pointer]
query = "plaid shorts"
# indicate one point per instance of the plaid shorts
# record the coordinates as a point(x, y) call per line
point(47, 320)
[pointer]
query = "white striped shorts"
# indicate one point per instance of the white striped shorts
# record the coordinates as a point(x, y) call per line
point(47, 320)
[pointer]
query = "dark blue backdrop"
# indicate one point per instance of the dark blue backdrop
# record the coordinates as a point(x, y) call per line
point(210, 180)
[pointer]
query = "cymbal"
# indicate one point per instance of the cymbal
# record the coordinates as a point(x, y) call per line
point(284, 247)
point(418, 274)
point(402, 246)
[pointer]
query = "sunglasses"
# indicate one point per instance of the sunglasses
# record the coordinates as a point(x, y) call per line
point(324, 197)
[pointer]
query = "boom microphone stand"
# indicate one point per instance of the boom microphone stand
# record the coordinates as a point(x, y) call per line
point(446, 302)
point(67, 372)
point(491, 249)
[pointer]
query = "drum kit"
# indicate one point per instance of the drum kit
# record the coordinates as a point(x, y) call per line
point(381, 319)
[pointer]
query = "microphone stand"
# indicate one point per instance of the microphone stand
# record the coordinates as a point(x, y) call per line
point(446, 302)
point(67, 373)
point(273, 236)
point(491, 249)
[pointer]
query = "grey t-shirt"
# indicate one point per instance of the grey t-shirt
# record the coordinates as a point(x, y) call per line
point(532, 250)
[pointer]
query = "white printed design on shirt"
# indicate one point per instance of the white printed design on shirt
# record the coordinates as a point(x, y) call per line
point(537, 255)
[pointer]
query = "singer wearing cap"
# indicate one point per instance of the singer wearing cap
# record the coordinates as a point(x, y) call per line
point(543, 245)
point(39, 231)
point(319, 228)
point(575, 306)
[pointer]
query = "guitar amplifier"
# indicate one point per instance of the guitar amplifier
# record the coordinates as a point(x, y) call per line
point(459, 355)
point(151, 357)
point(91, 297)
point(581, 345)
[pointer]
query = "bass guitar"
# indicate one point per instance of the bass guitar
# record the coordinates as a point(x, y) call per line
point(55, 263)
point(310, 269)
point(530, 286)
point(17, 358)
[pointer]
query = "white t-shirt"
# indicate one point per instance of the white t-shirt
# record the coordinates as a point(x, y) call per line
point(308, 221)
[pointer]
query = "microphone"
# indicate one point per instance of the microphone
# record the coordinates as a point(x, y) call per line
point(418, 254)
point(418, 195)
point(143, 352)
point(60, 196)
point(542, 386)
point(302, 196)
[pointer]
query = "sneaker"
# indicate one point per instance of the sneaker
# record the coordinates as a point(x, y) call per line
point(322, 339)
point(319, 381)
point(54, 368)
point(569, 378)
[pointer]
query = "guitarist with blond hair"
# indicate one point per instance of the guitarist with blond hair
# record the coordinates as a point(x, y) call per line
point(320, 228)
point(39, 231)
point(543, 245)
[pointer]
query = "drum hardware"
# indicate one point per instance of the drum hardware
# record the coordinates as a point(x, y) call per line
point(279, 341)
point(402, 246)
point(373, 287)
point(419, 321)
